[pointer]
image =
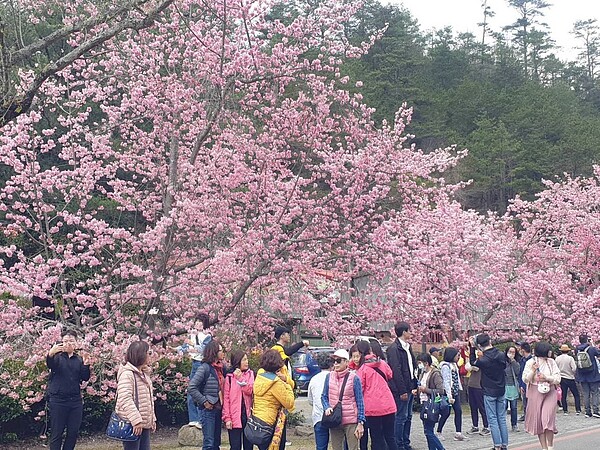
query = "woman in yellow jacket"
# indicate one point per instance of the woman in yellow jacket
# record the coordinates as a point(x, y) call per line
point(271, 390)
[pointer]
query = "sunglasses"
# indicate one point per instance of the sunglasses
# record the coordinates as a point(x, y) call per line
point(337, 360)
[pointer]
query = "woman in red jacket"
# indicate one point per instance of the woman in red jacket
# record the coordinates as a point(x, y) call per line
point(237, 400)
point(380, 407)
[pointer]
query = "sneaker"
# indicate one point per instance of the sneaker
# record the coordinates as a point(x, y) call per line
point(577, 413)
point(587, 416)
point(195, 424)
point(440, 436)
point(484, 431)
point(473, 430)
point(459, 437)
point(522, 418)
point(516, 429)
point(596, 415)
point(287, 443)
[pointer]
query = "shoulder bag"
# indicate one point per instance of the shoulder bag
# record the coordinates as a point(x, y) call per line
point(512, 392)
point(119, 428)
point(334, 420)
point(258, 432)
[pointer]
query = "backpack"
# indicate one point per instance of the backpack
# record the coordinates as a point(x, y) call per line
point(583, 361)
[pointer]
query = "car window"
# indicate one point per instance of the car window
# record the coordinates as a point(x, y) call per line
point(298, 359)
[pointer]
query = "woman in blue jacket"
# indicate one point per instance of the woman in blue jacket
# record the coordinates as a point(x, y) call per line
point(206, 389)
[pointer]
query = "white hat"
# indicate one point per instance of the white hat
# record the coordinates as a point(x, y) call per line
point(341, 353)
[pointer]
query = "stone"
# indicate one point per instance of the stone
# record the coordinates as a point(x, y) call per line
point(304, 430)
point(189, 436)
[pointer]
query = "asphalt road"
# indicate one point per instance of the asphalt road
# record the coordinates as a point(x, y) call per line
point(575, 433)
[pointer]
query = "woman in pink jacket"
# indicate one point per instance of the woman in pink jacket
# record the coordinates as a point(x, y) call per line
point(135, 397)
point(380, 407)
point(237, 400)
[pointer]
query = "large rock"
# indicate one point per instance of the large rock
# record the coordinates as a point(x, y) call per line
point(189, 436)
point(304, 430)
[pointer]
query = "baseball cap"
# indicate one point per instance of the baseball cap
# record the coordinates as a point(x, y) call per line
point(279, 330)
point(434, 349)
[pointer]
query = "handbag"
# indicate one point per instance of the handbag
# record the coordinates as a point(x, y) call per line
point(543, 387)
point(334, 420)
point(277, 434)
point(119, 428)
point(258, 432)
point(511, 392)
point(558, 393)
point(431, 409)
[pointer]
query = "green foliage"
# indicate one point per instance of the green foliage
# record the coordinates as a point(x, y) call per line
point(295, 418)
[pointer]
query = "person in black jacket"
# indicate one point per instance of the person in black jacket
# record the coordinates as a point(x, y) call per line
point(403, 363)
point(206, 390)
point(67, 371)
point(492, 364)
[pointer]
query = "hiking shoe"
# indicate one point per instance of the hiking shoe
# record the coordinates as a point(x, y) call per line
point(473, 430)
point(484, 431)
point(459, 437)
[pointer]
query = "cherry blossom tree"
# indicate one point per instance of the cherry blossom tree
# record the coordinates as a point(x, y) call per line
point(213, 161)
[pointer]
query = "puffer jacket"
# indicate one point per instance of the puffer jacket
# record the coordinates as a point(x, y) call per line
point(378, 397)
point(234, 391)
point(270, 394)
point(204, 386)
point(143, 414)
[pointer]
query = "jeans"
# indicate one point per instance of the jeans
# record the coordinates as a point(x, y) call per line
point(211, 428)
point(457, 416)
point(495, 408)
point(567, 384)
point(321, 436)
point(64, 414)
point(403, 421)
point(143, 443)
point(476, 404)
point(381, 431)
point(193, 410)
point(514, 415)
point(433, 442)
point(590, 392)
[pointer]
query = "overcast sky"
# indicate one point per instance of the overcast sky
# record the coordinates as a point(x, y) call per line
point(464, 15)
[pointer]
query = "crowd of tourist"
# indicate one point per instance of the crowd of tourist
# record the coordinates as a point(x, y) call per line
point(362, 398)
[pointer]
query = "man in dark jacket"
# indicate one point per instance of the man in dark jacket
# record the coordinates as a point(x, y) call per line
point(525, 352)
point(403, 363)
point(589, 378)
point(67, 371)
point(492, 364)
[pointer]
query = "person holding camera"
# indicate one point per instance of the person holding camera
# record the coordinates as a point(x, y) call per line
point(67, 371)
point(492, 363)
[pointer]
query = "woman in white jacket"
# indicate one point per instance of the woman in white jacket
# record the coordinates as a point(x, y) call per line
point(542, 375)
point(134, 385)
